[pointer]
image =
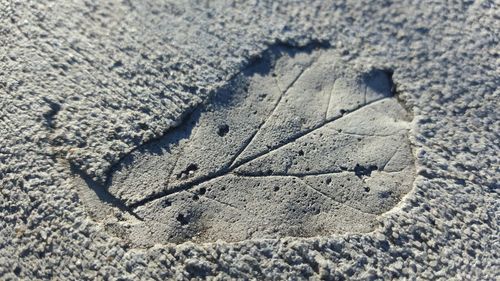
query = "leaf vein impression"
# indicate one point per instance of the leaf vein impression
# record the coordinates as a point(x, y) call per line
point(228, 169)
point(331, 198)
point(215, 200)
point(276, 105)
point(330, 100)
point(306, 132)
point(392, 156)
point(322, 173)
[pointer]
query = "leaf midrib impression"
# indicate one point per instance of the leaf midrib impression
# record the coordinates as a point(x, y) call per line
point(228, 169)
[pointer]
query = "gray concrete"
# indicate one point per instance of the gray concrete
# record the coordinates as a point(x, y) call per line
point(83, 84)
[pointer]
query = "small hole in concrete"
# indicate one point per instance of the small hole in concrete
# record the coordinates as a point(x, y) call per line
point(384, 194)
point(189, 171)
point(166, 203)
point(182, 219)
point(222, 130)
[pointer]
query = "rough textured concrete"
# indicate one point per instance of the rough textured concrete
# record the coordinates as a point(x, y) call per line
point(86, 82)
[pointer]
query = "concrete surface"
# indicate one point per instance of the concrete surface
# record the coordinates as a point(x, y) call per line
point(82, 83)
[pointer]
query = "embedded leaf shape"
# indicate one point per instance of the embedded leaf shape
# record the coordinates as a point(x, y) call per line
point(295, 145)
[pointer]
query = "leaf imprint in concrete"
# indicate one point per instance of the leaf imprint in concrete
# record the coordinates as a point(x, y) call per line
point(296, 145)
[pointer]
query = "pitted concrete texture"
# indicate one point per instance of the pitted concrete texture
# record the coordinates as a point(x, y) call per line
point(85, 83)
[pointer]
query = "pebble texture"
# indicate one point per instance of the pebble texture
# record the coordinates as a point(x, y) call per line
point(83, 83)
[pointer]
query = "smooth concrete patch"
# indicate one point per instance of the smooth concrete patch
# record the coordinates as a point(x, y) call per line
point(295, 145)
